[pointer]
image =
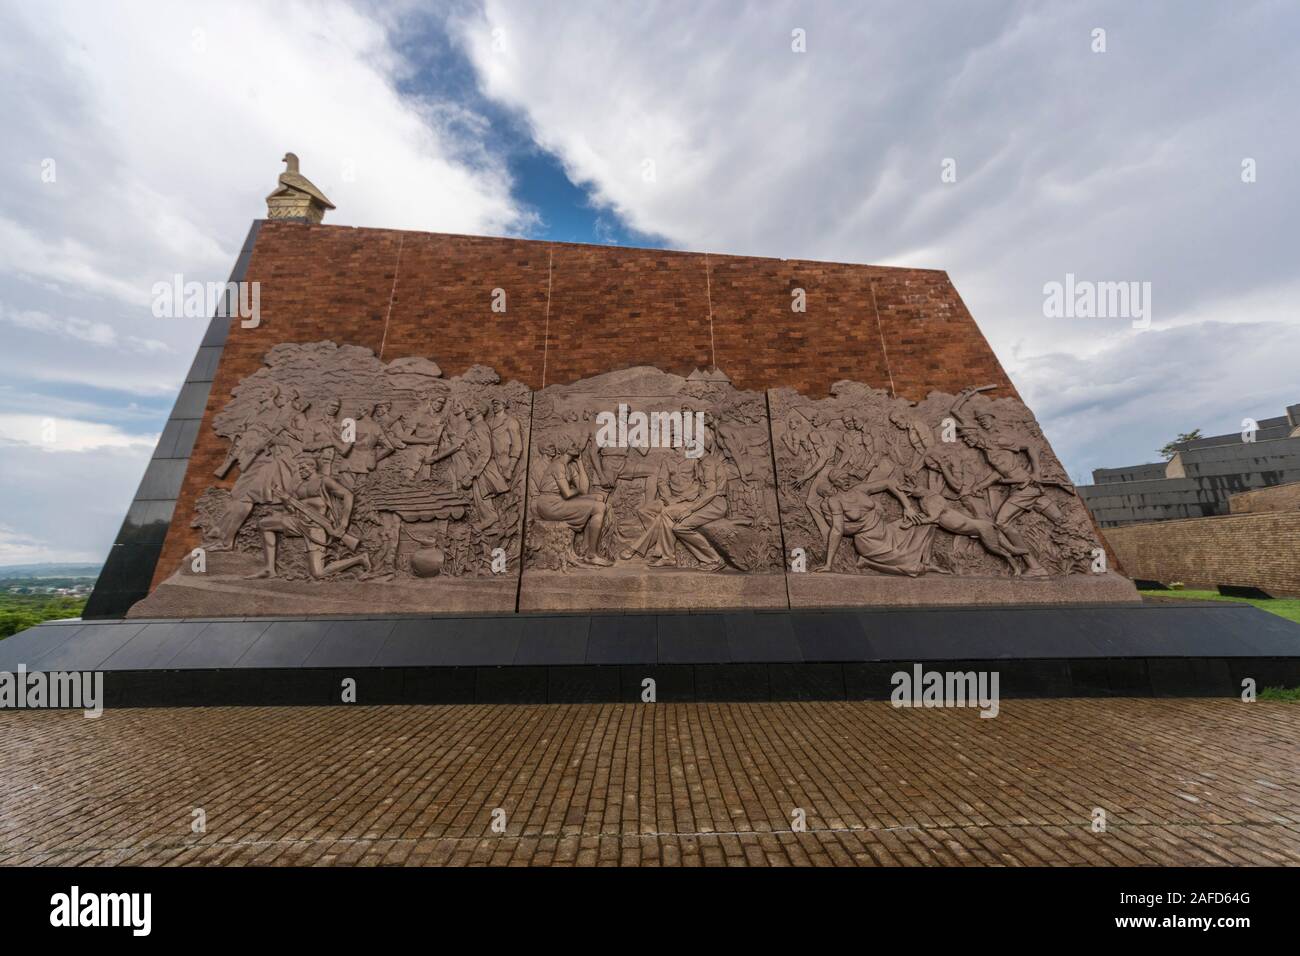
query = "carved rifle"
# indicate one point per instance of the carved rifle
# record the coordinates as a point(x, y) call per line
point(349, 541)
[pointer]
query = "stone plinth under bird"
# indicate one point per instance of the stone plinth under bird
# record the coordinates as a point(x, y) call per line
point(296, 197)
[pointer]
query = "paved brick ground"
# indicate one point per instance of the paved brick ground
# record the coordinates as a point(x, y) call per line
point(1181, 781)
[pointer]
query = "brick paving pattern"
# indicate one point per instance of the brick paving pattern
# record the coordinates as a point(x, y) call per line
point(1181, 781)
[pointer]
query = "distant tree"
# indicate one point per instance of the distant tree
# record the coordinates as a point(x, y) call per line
point(12, 621)
point(1168, 451)
point(21, 611)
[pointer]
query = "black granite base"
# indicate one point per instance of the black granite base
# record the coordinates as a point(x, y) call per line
point(1081, 651)
point(602, 683)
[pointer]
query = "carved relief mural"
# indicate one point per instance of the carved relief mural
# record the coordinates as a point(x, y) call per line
point(364, 485)
point(353, 485)
point(651, 490)
point(957, 486)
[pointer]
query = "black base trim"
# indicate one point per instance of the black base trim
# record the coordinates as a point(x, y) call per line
point(1080, 651)
point(625, 683)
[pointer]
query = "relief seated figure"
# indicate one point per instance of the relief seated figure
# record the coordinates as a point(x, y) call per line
point(701, 500)
point(850, 508)
point(563, 495)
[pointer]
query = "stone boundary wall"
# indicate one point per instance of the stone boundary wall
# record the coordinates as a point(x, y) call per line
point(1245, 550)
point(1262, 500)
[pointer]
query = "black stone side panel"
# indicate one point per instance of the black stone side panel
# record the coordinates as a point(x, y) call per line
point(129, 567)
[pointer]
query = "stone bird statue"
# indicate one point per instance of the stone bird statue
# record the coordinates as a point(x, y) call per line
point(296, 197)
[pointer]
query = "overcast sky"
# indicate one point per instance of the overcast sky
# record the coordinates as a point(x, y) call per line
point(165, 123)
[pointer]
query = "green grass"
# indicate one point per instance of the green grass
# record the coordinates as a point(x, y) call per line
point(1291, 694)
point(1288, 608)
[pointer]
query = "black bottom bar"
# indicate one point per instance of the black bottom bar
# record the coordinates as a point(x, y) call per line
point(917, 906)
point(594, 683)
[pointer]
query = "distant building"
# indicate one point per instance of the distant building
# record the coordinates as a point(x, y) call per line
point(1201, 478)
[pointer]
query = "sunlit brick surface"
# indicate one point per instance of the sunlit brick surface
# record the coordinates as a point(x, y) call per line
point(1181, 781)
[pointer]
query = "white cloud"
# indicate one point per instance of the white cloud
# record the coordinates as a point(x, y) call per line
point(67, 265)
point(80, 330)
point(166, 125)
point(143, 414)
point(70, 435)
point(96, 333)
point(1122, 166)
point(163, 125)
point(1209, 375)
point(19, 548)
point(65, 506)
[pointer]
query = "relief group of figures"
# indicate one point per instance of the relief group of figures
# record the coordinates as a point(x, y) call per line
point(845, 462)
point(677, 498)
point(308, 465)
point(446, 458)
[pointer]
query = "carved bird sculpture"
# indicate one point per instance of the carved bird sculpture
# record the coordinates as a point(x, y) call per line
point(295, 180)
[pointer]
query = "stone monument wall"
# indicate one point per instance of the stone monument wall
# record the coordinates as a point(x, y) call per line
point(541, 318)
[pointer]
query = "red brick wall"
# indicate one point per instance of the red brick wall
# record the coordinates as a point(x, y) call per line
point(1249, 550)
point(576, 310)
point(1278, 498)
